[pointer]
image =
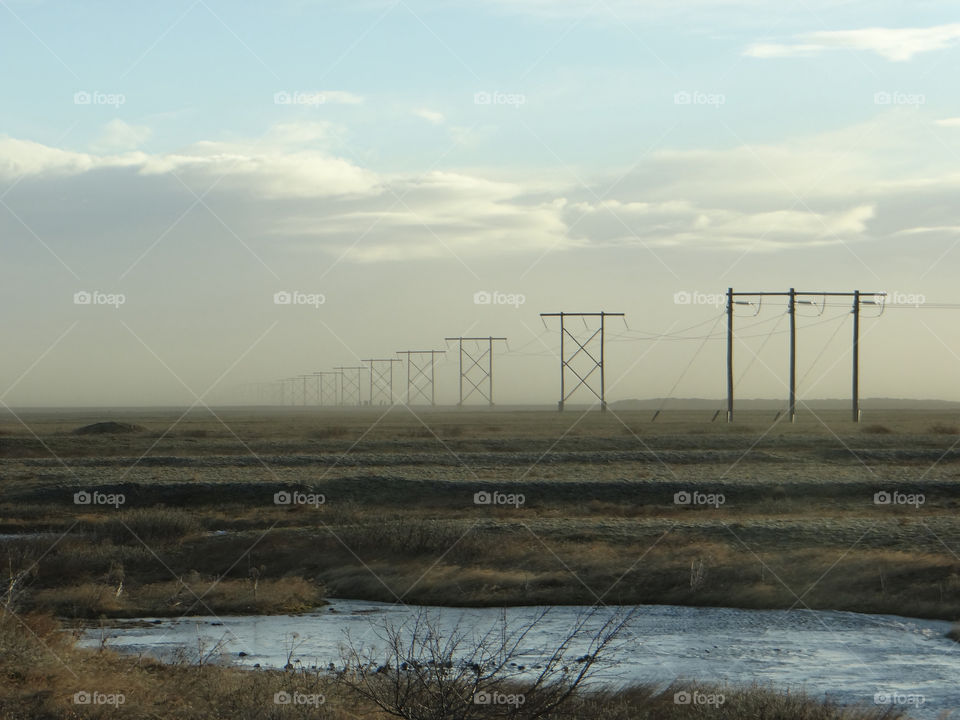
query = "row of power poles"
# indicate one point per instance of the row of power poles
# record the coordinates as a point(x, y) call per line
point(795, 298)
point(582, 362)
point(343, 386)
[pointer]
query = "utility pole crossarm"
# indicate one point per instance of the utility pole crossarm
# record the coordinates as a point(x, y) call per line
point(794, 298)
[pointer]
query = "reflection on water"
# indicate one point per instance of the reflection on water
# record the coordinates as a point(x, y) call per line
point(848, 657)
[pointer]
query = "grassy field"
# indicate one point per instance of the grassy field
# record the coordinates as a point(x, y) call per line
point(271, 512)
point(383, 507)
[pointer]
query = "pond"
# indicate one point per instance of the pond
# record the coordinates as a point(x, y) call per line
point(848, 657)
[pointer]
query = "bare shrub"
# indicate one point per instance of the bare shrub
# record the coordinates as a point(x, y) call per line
point(423, 673)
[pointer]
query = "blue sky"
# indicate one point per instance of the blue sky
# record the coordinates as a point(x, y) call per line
point(598, 82)
point(592, 153)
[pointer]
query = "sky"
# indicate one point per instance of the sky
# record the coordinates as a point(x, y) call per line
point(198, 198)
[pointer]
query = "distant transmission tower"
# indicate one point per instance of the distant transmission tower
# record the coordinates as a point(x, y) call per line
point(478, 371)
point(291, 391)
point(303, 387)
point(595, 343)
point(327, 395)
point(420, 375)
point(381, 380)
point(350, 385)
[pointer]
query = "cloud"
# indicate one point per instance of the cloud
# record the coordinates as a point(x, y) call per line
point(289, 194)
point(894, 44)
point(27, 158)
point(119, 135)
point(688, 224)
point(430, 116)
point(949, 122)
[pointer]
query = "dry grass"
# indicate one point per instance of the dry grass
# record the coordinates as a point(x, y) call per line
point(149, 526)
point(649, 703)
point(401, 503)
point(185, 596)
point(329, 431)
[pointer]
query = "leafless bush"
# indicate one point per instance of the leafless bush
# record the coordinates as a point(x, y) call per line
point(422, 673)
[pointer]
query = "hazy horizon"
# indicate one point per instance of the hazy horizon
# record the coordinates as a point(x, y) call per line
point(199, 197)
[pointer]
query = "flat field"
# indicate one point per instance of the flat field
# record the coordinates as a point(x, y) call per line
point(585, 507)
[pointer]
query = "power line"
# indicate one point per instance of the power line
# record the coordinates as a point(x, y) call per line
point(795, 299)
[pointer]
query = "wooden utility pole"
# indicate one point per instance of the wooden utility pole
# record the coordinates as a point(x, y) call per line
point(792, 309)
point(729, 354)
point(856, 356)
point(794, 298)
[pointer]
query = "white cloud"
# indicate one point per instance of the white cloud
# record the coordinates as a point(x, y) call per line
point(879, 180)
point(895, 44)
point(430, 116)
point(27, 158)
point(949, 122)
point(119, 135)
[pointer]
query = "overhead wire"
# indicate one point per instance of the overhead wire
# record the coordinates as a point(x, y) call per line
point(683, 374)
